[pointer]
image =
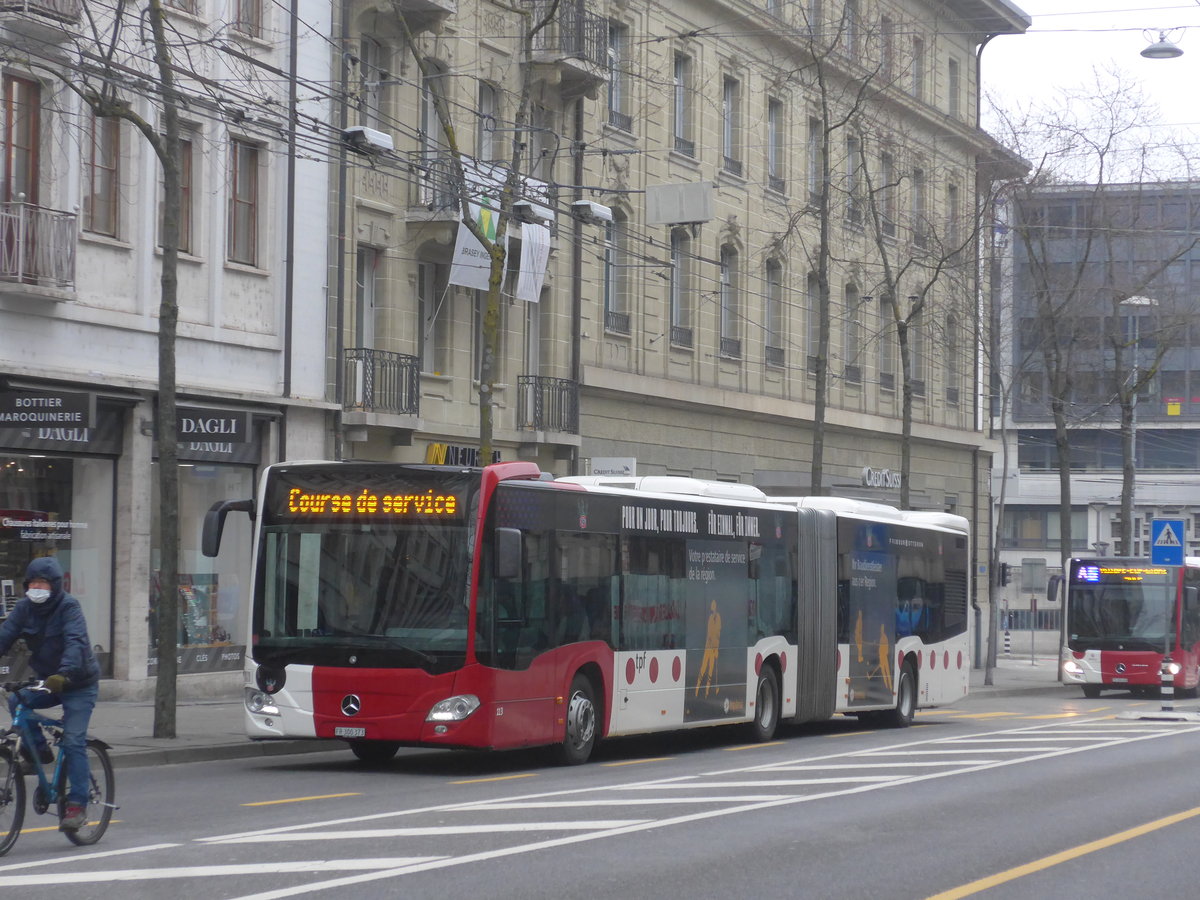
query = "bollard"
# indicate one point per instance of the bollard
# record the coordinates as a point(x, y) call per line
point(1007, 642)
point(1170, 669)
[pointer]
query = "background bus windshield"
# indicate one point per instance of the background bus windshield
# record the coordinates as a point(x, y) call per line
point(1121, 612)
point(356, 561)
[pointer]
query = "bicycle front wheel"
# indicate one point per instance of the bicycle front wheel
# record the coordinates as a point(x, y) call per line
point(102, 787)
point(12, 800)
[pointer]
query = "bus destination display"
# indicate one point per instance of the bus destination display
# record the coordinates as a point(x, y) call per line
point(364, 496)
point(1094, 574)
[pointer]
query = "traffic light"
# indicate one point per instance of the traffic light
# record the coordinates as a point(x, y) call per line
point(1004, 575)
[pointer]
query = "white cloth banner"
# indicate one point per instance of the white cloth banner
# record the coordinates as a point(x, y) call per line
point(471, 265)
point(535, 255)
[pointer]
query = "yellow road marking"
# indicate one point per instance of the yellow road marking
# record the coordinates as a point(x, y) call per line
point(55, 827)
point(638, 762)
point(850, 733)
point(754, 746)
point(497, 778)
point(302, 799)
point(1066, 715)
point(1055, 859)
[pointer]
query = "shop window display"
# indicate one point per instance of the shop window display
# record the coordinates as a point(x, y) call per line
point(63, 507)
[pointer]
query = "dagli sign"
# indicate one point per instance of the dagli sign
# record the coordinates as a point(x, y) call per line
point(880, 478)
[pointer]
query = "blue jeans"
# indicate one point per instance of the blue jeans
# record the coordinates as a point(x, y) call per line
point(77, 707)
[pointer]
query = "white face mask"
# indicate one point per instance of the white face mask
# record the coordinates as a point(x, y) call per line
point(38, 595)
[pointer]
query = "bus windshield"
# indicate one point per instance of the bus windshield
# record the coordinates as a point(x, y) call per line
point(372, 571)
point(1121, 610)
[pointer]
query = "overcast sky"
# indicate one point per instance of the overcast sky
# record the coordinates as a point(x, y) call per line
point(1071, 37)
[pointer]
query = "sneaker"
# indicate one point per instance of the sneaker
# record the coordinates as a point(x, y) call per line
point(74, 818)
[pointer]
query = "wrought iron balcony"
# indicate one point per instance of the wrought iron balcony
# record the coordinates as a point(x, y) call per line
point(437, 184)
point(576, 44)
point(37, 246)
point(64, 11)
point(381, 382)
point(547, 404)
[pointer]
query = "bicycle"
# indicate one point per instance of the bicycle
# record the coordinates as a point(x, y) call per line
point(50, 792)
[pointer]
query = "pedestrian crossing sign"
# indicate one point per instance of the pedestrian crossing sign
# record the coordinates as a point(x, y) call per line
point(1166, 542)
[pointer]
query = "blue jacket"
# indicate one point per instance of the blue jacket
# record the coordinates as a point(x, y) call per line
point(55, 631)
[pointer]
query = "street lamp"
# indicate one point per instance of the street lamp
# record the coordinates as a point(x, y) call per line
point(1162, 48)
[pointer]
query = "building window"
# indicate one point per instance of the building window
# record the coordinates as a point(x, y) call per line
point(248, 17)
point(478, 342)
point(187, 6)
point(953, 89)
point(816, 157)
point(917, 352)
point(486, 116)
point(681, 313)
point(887, 192)
point(850, 28)
point(953, 220)
point(887, 345)
point(731, 125)
point(917, 210)
point(243, 203)
point(952, 362)
point(854, 201)
point(373, 72)
point(366, 283)
point(682, 119)
point(813, 338)
point(815, 14)
point(433, 310)
point(187, 149)
point(102, 199)
point(917, 87)
point(22, 127)
point(774, 313)
point(887, 49)
point(616, 276)
point(1037, 527)
point(618, 78)
point(853, 341)
point(731, 344)
point(543, 143)
point(776, 146)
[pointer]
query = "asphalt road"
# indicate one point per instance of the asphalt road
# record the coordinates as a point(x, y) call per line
point(1041, 795)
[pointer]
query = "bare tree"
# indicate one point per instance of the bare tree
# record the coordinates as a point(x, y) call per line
point(513, 188)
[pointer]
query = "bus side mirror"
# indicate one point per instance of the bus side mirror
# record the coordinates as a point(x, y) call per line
point(1052, 587)
point(214, 523)
point(508, 553)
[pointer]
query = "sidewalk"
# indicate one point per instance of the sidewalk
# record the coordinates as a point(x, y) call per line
point(211, 729)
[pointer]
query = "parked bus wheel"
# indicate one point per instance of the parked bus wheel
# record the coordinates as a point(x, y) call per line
point(906, 699)
point(580, 733)
point(374, 752)
point(766, 706)
point(1091, 691)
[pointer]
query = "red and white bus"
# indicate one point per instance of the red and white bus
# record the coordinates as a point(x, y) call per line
point(500, 608)
point(1124, 617)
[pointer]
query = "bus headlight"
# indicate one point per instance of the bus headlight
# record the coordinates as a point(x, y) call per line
point(260, 702)
point(453, 709)
point(1071, 667)
point(1170, 667)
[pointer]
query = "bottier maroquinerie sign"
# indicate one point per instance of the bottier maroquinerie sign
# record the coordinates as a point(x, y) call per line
point(47, 409)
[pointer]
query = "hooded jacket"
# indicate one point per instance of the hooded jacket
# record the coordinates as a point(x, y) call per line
point(55, 631)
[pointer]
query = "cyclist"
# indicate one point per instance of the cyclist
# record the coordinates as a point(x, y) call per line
point(51, 622)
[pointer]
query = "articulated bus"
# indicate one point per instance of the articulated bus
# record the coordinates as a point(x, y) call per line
point(1124, 617)
point(400, 605)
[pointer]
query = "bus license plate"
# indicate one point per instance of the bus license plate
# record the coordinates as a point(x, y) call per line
point(1120, 680)
point(348, 731)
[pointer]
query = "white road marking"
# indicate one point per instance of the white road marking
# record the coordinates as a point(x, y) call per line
point(435, 831)
point(266, 867)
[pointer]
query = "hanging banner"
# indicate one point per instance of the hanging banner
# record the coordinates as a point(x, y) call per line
point(471, 265)
point(535, 255)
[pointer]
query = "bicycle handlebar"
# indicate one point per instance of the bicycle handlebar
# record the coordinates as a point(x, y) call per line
point(35, 684)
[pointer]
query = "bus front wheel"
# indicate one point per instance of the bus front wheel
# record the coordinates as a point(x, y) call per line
point(906, 699)
point(581, 722)
point(374, 752)
point(1091, 691)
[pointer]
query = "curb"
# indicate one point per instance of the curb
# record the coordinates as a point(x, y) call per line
point(174, 755)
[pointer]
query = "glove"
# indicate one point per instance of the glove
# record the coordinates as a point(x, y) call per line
point(57, 683)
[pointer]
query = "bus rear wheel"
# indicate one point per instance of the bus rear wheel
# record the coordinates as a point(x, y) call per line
point(374, 752)
point(766, 706)
point(580, 733)
point(906, 699)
